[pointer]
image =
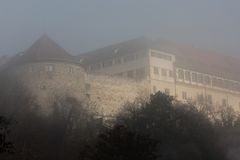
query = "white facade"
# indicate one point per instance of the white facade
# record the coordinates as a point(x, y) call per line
point(161, 73)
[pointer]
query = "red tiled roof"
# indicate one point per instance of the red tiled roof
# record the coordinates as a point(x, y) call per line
point(186, 56)
point(202, 60)
point(44, 49)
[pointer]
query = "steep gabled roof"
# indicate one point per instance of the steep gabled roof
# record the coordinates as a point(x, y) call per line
point(44, 49)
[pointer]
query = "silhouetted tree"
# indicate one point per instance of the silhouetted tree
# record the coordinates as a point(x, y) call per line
point(5, 145)
point(56, 135)
point(119, 143)
point(184, 132)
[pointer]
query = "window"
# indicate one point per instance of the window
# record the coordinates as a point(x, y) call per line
point(225, 84)
point(187, 76)
point(140, 73)
point(180, 74)
point(207, 80)
point(235, 86)
point(49, 68)
point(219, 83)
point(194, 77)
point(170, 73)
point(87, 86)
point(155, 70)
point(184, 95)
point(88, 96)
point(167, 91)
point(130, 74)
point(200, 99)
point(70, 69)
point(128, 58)
point(200, 78)
point(214, 82)
point(119, 74)
point(209, 99)
point(118, 60)
point(96, 66)
point(161, 56)
point(140, 55)
point(154, 89)
point(238, 87)
point(107, 63)
point(224, 102)
point(164, 72)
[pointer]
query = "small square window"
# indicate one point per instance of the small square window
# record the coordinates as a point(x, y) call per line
point(180, 74)
point(209, 99)
point(155, 70)
point(87, 86)
point(49, 68)
point(118, 60)
point(207, 80)
point(194, 77)
point(167, 91)
point(187, 76)
point(130, 74)
point(224, 102)
point(154, 89)
point(200, 78)
point(164, 72)
point(70, 70)
point(140, 73)
point(170, 73)
point(184, 95)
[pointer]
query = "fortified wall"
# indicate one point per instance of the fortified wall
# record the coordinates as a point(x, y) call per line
point(110, 93)
point(47, 70)
point(48, 80)
point(106, 94)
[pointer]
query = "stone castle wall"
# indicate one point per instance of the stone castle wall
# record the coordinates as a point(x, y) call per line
point(45, 85)
point(106, 94)
point(111, 93)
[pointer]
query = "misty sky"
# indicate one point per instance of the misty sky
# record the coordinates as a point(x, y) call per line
point(82, 25)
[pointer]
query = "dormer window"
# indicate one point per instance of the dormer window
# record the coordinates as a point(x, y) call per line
point(49, 68)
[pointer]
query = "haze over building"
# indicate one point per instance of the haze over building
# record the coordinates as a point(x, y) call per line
point(110, 76)
point(189, 74)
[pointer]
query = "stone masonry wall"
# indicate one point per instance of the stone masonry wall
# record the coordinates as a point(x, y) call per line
point(110, 93)
point(45, 85)
point(106, 94)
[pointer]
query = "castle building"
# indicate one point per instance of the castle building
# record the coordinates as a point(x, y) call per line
point(110, 76)
point(189, 74)
point(47, 71)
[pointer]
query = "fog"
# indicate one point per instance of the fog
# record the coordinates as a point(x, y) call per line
point(83, 25)
point(119, 80)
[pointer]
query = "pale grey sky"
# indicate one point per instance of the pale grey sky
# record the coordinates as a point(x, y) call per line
point(82, 25)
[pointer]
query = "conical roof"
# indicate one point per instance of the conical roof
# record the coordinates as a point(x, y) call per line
point(44, 49)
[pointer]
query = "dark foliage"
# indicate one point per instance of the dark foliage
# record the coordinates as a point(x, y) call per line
point(56, 135)
point(120, 144)
point(5, 145)
point(184, 132)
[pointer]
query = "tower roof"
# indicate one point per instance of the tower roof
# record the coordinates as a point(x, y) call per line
point(44, 49)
